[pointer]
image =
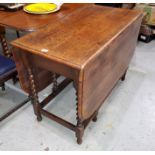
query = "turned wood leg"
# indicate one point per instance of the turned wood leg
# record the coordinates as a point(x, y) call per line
point(33, 104)
point(17, 33)
point(55, 83)
point(3, 86)
point(95, 117)
point(4, 43)
point(124, 75)
point(34, 95)
point(79, 132)
point(15, 79)
point(79, 128)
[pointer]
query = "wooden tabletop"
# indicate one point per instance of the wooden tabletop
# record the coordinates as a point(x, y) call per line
point(23, 21)
point(92, 46)
point(77, 38)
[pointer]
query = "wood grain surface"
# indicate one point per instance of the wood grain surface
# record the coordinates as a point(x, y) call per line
point(75, 39)
point(93, 46)
point(22, 21)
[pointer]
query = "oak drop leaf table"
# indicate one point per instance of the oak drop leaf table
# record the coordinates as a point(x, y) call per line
point(91, 47)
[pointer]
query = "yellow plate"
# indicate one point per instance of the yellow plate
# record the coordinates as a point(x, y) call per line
point(41, 8)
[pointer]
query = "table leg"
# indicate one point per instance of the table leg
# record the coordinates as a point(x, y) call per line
point(18, 35)
point(95, 117)
point(80, 126)
point(35, 101)
point(3, 86)
point(4, 43)
point(15, 79)
point(55, 83)
point(124, 75)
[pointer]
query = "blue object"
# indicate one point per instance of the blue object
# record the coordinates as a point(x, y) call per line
point(6, 65)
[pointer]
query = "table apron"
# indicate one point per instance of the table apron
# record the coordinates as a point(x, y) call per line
point(53, 66)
